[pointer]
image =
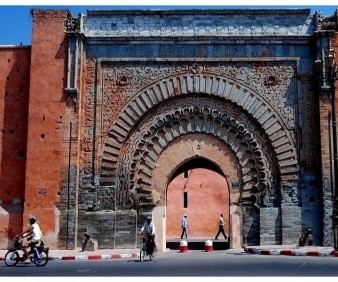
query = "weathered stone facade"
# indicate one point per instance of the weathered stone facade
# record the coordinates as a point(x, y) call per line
point(232, 91)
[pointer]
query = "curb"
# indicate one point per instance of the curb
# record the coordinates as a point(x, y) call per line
point(90, 257)
point(95, 257)
point(287, 252)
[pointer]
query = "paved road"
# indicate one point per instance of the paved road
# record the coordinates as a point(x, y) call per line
point(196, 264)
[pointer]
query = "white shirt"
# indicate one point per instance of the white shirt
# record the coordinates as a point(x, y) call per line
point(221, 221)
point(148, 228)
point(36, 232)
point(184, 222)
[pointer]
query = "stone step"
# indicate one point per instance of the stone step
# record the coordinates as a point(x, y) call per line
point(195, 244)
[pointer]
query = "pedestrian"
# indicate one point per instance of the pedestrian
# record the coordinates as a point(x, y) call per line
point(221, 227)
point(184, 226)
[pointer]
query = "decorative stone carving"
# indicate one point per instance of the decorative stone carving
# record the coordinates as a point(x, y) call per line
point(161, 23)
point(87, 137)
point(137, 96)
point(170, 121)
point(327, 23)
point(123, 80)
point(277, 92)
point(196, 68)
point(72, 25)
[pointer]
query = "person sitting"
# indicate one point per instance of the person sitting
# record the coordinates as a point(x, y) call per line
point(33, 235)
point(148, 229)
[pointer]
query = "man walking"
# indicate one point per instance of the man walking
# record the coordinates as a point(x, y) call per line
point(184, 227)
point(221, 228)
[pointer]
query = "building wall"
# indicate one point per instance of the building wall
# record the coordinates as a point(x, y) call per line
point(326, 38)
point(14, 95)
point(77, 153)
point(44, 170)
point(135, 85)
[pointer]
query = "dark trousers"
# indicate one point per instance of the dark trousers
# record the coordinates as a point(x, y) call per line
point(184, 231)
point(221, 230)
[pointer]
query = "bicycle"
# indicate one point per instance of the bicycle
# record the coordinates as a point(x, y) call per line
point(38, 254)
point(148, 247)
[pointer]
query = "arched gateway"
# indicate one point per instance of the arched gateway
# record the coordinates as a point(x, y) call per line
point(129, 103)
point(255, 151)
point(162, 93)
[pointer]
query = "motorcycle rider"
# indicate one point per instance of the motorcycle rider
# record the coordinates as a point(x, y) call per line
point(148, 229)
point(33, 235)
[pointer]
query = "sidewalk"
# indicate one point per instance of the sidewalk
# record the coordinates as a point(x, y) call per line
point(291, 250)
point(77, 254)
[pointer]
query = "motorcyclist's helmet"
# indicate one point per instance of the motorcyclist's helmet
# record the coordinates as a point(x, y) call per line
point(149, 218)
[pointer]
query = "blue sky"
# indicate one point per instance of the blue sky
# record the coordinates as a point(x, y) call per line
point(16, 21)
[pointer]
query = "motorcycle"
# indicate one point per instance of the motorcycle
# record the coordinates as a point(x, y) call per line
point(148, 247)
point(38, 254)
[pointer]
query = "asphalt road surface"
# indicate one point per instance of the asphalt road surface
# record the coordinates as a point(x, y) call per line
point(174, 264)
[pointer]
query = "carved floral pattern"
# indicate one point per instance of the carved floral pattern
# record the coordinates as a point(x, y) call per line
point(186, 116)
point(122, 83)
point(208, 24)
point(280, 95)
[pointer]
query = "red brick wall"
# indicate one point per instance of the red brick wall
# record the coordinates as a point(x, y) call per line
point(46, 107)
point(335, 46)
point(325, 112)
point(14, 93)
point(208, 197)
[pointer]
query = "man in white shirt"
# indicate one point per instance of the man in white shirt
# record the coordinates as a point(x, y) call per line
point(148, 227)
point(184, 227)
point(221, 228)
point(33, 234)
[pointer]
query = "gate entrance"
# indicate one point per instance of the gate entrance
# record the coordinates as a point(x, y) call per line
point(200, 193)
point(211, 168)
point(134, 108)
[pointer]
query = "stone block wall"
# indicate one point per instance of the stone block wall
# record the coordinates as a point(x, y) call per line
point(251, 226)
point(311, 202)
point(291, 225)
point(112, 230)
point(270, 226)
point(67, 233)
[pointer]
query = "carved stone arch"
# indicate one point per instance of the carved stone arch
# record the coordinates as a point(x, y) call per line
point(224, 120)
point(215, 85)
point(169, 163)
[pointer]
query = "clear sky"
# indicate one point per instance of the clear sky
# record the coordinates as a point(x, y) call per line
point(16, 21)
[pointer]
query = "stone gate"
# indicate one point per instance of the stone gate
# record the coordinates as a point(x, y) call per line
point(243, 78)
point(138, 97)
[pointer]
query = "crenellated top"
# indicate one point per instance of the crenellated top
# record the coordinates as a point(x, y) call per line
point(192, 24)
point(327, 23)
